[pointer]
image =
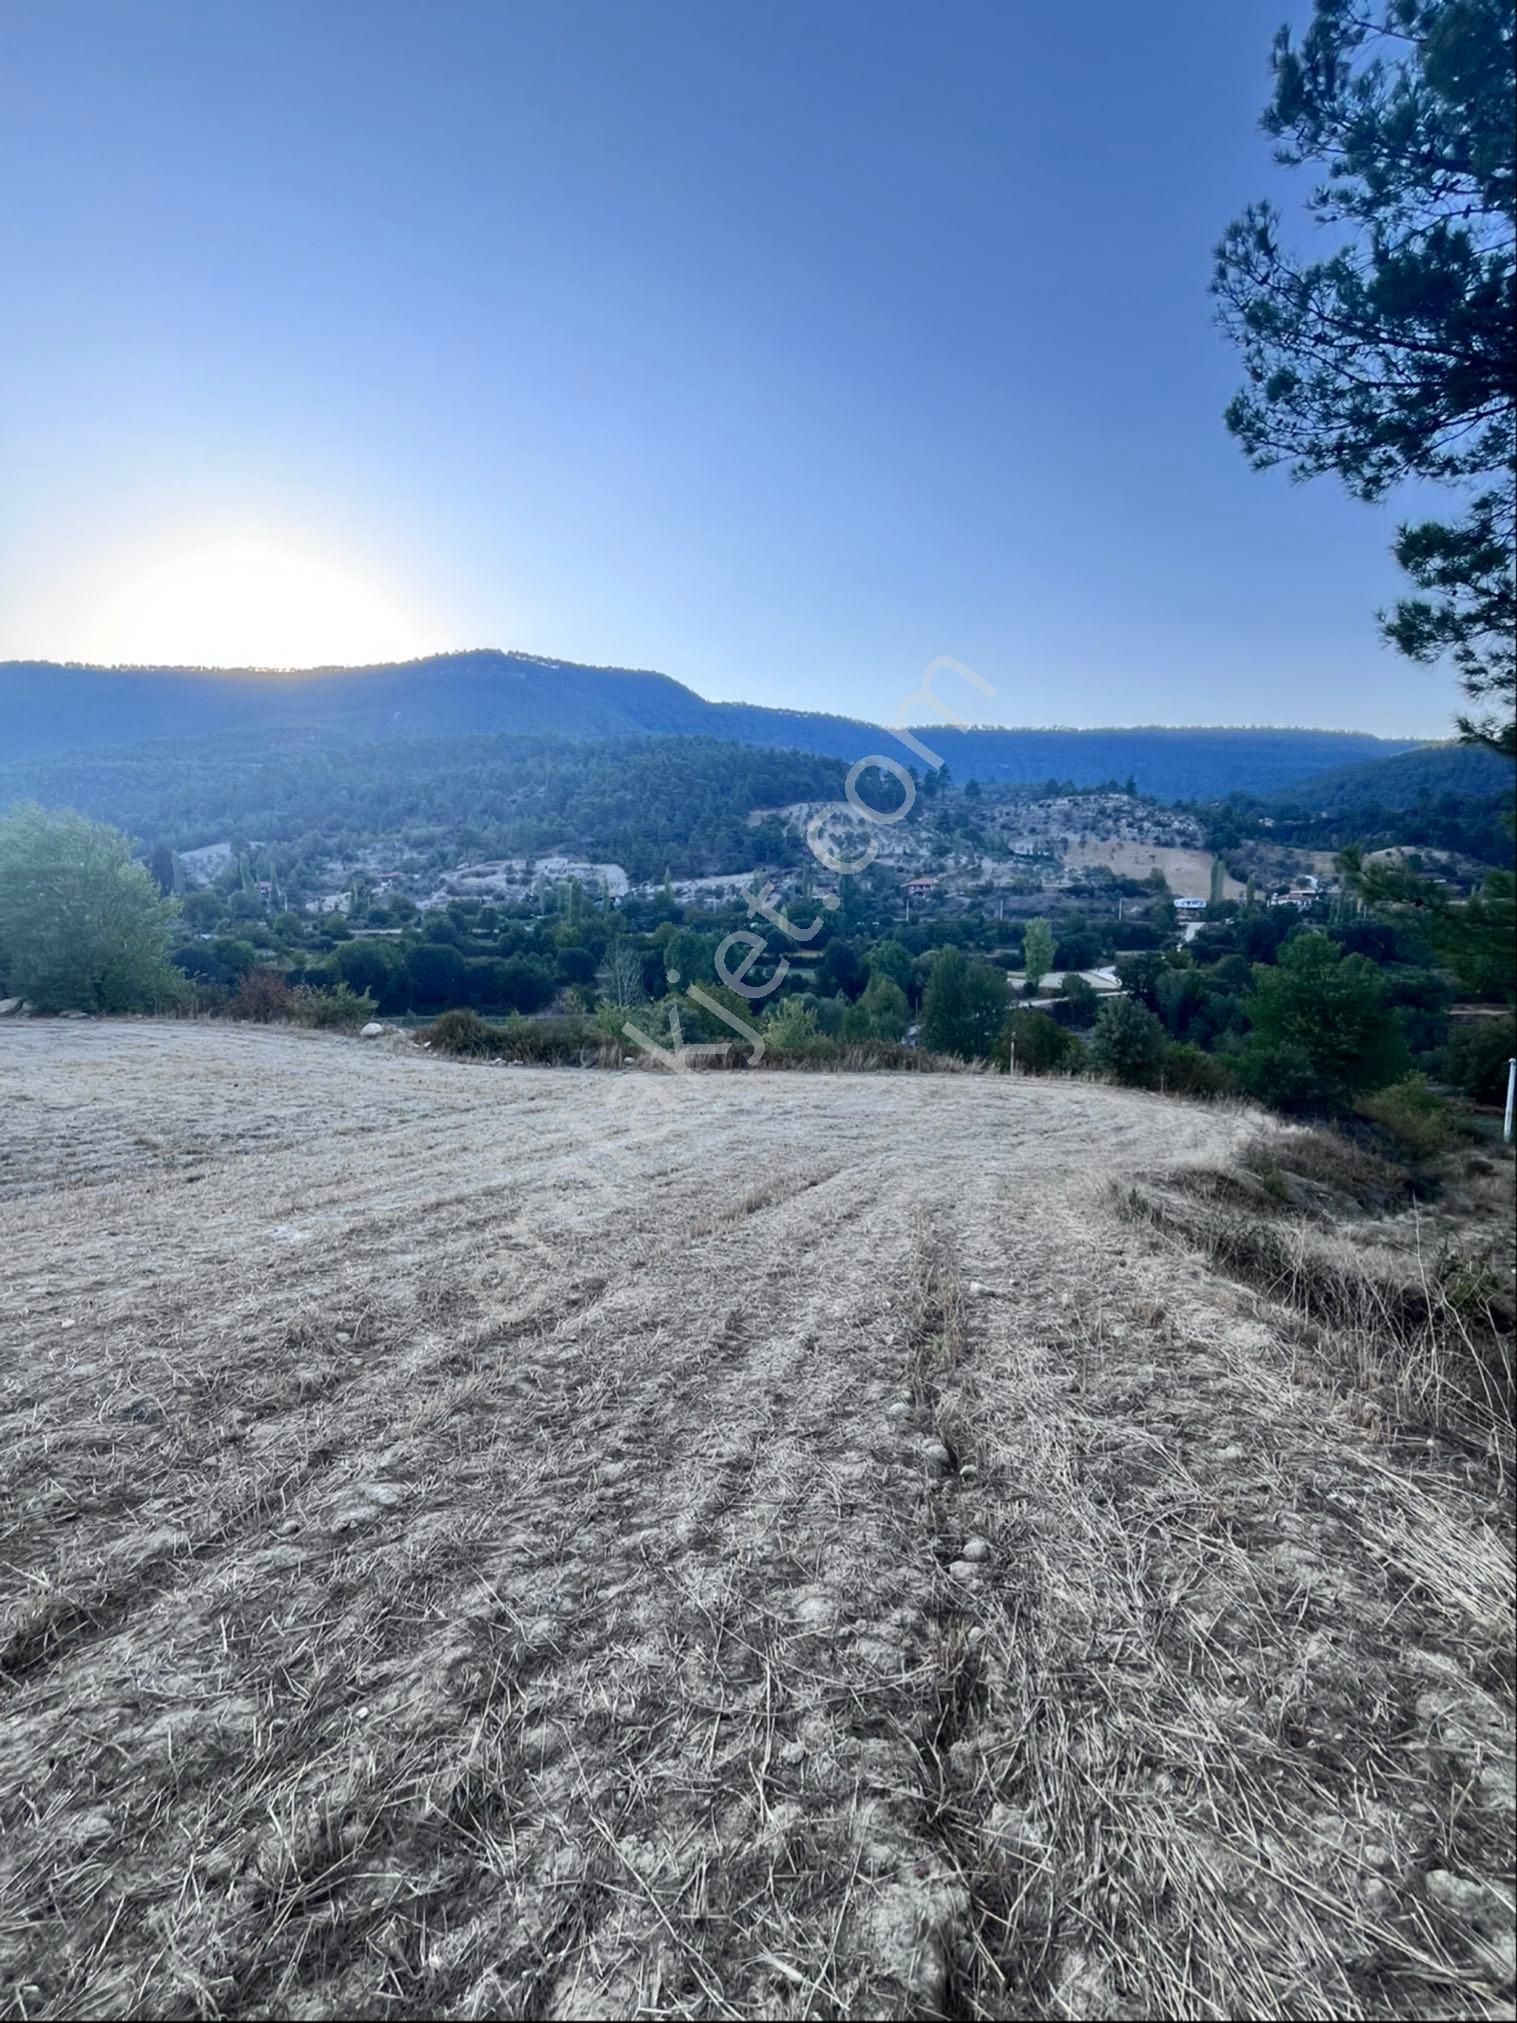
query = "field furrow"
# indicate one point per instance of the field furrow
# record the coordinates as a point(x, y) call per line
point(567, 1544)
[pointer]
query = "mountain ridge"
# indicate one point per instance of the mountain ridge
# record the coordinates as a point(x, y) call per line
point(53, 707)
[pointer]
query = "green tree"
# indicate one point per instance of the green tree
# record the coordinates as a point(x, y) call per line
point(792, 1024)
point(1127, 1043)
point(1321, 1031)
point(524, 986)
point(83, 927)
point(1037, 952)
point(964, 1006)
point(1394, 358)
point(884, 1006)
point(576, 965)
point(1038, 1044)
point(367, 967)
point(1477, 938)
point(1478, 1052)
point(1081, 1000)
point(893, 959)
point(435, 975)
point(690, 956)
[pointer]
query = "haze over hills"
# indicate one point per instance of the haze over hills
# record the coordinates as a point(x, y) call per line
point(48, 708)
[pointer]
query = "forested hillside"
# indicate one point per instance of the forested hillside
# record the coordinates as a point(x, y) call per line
point(1408, 780)
point(1444, 797)
point(47, 709)
point(645, 803)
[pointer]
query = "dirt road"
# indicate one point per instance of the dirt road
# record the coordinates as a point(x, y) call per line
point(502, 1542)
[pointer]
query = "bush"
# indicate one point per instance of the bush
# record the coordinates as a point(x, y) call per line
point(825, 1056)
point(461, 1032)
point(262, 995)
point(333, 1007)
point(791, 1028)
point(1478, 1051)
point(1128, 1043)
point(1283, 1077)
point(548, 1042)
point(1188, 1071)
point(545, 1042)
point(1041, 1045)
point(1413, 1114)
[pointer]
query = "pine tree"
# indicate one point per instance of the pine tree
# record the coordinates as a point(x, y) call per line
point(1395, 357)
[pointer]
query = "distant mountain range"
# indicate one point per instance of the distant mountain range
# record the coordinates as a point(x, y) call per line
point(47, 708)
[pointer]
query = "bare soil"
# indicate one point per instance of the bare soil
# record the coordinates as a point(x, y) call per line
point(497, 1542)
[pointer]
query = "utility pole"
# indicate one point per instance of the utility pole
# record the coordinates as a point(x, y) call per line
point(1511, 1090)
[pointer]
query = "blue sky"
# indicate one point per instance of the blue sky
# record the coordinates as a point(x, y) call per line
point(780, 347)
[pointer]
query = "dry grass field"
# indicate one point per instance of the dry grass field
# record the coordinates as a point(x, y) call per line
point(1188, 871)
point(495, 1542)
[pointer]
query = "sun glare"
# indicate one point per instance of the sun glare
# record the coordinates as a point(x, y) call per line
point(246, 605)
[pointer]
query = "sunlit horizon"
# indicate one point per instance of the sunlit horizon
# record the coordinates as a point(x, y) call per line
point(252, 603)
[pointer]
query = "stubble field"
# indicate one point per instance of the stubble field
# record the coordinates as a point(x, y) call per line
point(494, 1542)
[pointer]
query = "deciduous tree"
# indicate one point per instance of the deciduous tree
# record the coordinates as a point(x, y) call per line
point(83, 927)
point(1037, 951)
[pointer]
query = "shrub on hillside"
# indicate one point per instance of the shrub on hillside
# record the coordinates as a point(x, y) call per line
point(1187, 1070)
point(1478, 1052)
point(1326, 1157)
point(1413, 1115)
point(1038, 1044)
point(1127, 1043)
point(1282, 1077)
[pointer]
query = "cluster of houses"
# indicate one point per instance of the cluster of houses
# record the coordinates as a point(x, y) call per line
point(1303, 895)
